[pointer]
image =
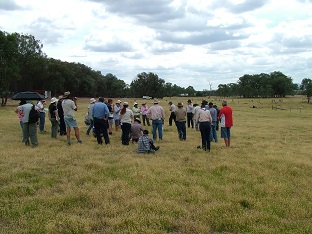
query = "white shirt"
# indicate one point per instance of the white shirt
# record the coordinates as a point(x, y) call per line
point(40, 106)
point(69, 107)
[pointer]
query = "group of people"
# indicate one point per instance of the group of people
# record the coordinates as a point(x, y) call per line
point(61, 115)
point(204, 118)
point(102, 115)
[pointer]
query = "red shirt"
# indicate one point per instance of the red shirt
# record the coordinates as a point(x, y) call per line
point(227, 112)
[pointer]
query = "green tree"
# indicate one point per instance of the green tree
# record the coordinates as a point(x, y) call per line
point(115, 87)
point(306, 87)
point(281, 84)
point(30, 62)
point(148, 84)
point(190, 91)
point(9, 70)
point(223, 90)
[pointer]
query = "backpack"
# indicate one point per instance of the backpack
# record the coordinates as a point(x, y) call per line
point(87, 120)
point(33, 115)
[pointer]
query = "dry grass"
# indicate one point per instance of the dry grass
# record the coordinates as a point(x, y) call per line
point(260, 185)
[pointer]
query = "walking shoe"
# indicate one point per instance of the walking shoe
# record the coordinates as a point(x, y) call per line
point(68, 143)
point(80, 141)
point(157, 148)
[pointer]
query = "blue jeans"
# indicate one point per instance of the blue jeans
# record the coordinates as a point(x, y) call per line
point(90, 126)
point(181, 130)
point(42, 121)
point(205, 128)
point(213, 133)
point(157, 124)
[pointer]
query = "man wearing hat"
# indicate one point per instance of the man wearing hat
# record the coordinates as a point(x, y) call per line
point(172, 109)
point(90, 115)
point(69, 105)
point(190, 112)
point(53, 116)
point(136, 111)
point(157, 115)
point(180, 114)
point(136, 130)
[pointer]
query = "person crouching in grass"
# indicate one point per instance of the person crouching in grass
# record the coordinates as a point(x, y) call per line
point(146, 144)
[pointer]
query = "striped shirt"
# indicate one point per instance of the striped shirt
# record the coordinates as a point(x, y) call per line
point(156, 112)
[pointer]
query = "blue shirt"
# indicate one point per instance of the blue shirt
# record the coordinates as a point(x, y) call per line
point(100, 110)
point(214, 114)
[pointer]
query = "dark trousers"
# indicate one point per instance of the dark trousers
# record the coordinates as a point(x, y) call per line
point(205, 128)
point(172, 117)
point(181, 130)
point(190, 121)
point(145, 119)
point(62, 126)
point(125, 136)
point(100, 126)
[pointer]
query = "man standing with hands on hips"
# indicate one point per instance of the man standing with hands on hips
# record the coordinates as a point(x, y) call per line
point(157, 114)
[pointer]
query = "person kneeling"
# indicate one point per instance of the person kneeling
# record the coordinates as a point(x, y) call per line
point(146, 144)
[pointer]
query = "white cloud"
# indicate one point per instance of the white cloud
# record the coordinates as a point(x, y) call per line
point(185, 42)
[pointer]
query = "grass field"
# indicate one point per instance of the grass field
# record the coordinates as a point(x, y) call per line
point(262, 184)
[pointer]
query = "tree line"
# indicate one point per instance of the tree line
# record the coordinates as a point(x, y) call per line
point(25, 67)
point(275, 84)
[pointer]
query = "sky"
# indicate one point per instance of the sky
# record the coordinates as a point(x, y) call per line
point(199, 43)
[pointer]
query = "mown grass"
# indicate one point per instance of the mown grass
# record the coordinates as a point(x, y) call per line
point(260, 185)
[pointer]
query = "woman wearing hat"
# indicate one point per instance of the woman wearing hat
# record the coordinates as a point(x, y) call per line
point(116, 115)
point(53, 116)
point(144, 109)
point(126, 116)
point(204, 119)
